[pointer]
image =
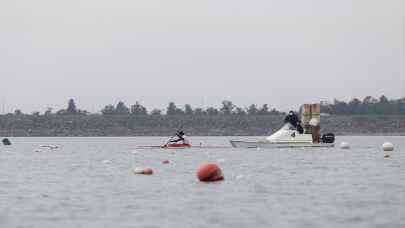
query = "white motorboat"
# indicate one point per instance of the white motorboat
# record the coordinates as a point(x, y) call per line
point(286, 137)
point(290, 136)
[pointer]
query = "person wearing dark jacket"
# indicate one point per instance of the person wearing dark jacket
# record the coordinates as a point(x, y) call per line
point(181, 137)
point(292, 118)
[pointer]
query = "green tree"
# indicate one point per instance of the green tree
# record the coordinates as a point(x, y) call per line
point(264, 110)
point(240, 111)
point(121, 108)
point(199, 111)
point(383, 106)
point(188, 110)
point(354, 106)
point(368, 105)
point(71, 109)
point(108, 110)
point(227, 107)
point(138, 109)
point(173, 110)
point(18, 112)
point(212, 111)
point(252, 110)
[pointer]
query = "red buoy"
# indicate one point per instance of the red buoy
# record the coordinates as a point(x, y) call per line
point(144, 171)
point(148, 171)
point(165, 162)
point(209, 173)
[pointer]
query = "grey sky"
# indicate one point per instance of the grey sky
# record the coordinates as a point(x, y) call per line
point(280, 52)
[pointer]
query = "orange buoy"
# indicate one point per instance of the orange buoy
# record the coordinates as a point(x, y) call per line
point(165, 162)
point(209, 172)
point(144, 171)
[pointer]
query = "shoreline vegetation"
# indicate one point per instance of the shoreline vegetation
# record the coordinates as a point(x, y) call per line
point(367, 117)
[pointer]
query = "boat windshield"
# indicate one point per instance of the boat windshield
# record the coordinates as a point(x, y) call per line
point(288, 126)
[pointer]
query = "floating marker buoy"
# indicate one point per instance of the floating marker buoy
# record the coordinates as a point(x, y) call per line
point(52, 147)
point(165, 162)
point(6, 142)
point(344, 145)
point(106, 161)
point(144, 171)
point(238, 177)
point(387, 146)
point(209, 173)
point(221, 160)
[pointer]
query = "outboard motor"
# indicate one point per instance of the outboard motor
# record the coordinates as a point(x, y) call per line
point(328, 138)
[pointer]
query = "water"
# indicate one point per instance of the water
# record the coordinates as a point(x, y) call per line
point(87, 182)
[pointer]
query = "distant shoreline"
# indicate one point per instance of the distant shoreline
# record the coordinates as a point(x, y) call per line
point(138, 136)
point(220, 125)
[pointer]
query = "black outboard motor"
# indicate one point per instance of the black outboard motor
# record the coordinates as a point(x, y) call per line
point(328, 138)
point(6, 142)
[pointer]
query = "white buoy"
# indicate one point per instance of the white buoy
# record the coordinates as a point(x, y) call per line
point(106, 161)
point(344, 145)
point(238, 177)
point(52, 147)
point(138, 170)
point(388, 146)
point(221, 160)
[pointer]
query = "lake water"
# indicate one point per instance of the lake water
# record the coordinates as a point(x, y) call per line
point(88, 182)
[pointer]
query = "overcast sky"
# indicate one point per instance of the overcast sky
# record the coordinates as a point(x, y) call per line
point(280, 52)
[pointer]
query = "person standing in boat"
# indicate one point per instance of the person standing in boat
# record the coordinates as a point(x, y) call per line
point(181, 137)
point(293, 119)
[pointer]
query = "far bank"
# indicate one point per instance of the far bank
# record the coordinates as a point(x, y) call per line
point(204, 125)
point(217, 125)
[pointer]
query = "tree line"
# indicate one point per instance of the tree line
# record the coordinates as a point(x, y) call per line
point(227, 108)
point(368, 105)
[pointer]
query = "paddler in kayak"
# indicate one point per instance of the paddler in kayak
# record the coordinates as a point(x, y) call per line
point(180, 137)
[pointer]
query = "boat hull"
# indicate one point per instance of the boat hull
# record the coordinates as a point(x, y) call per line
point(178, 146)
point(184, 147)
point(264, 144)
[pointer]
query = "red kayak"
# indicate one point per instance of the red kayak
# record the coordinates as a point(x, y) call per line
point(178, 145)
point(183, 146)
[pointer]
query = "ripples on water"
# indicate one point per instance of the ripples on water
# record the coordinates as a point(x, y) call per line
point(87, 182)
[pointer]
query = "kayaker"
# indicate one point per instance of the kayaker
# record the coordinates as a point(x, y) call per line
point(181, 137)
